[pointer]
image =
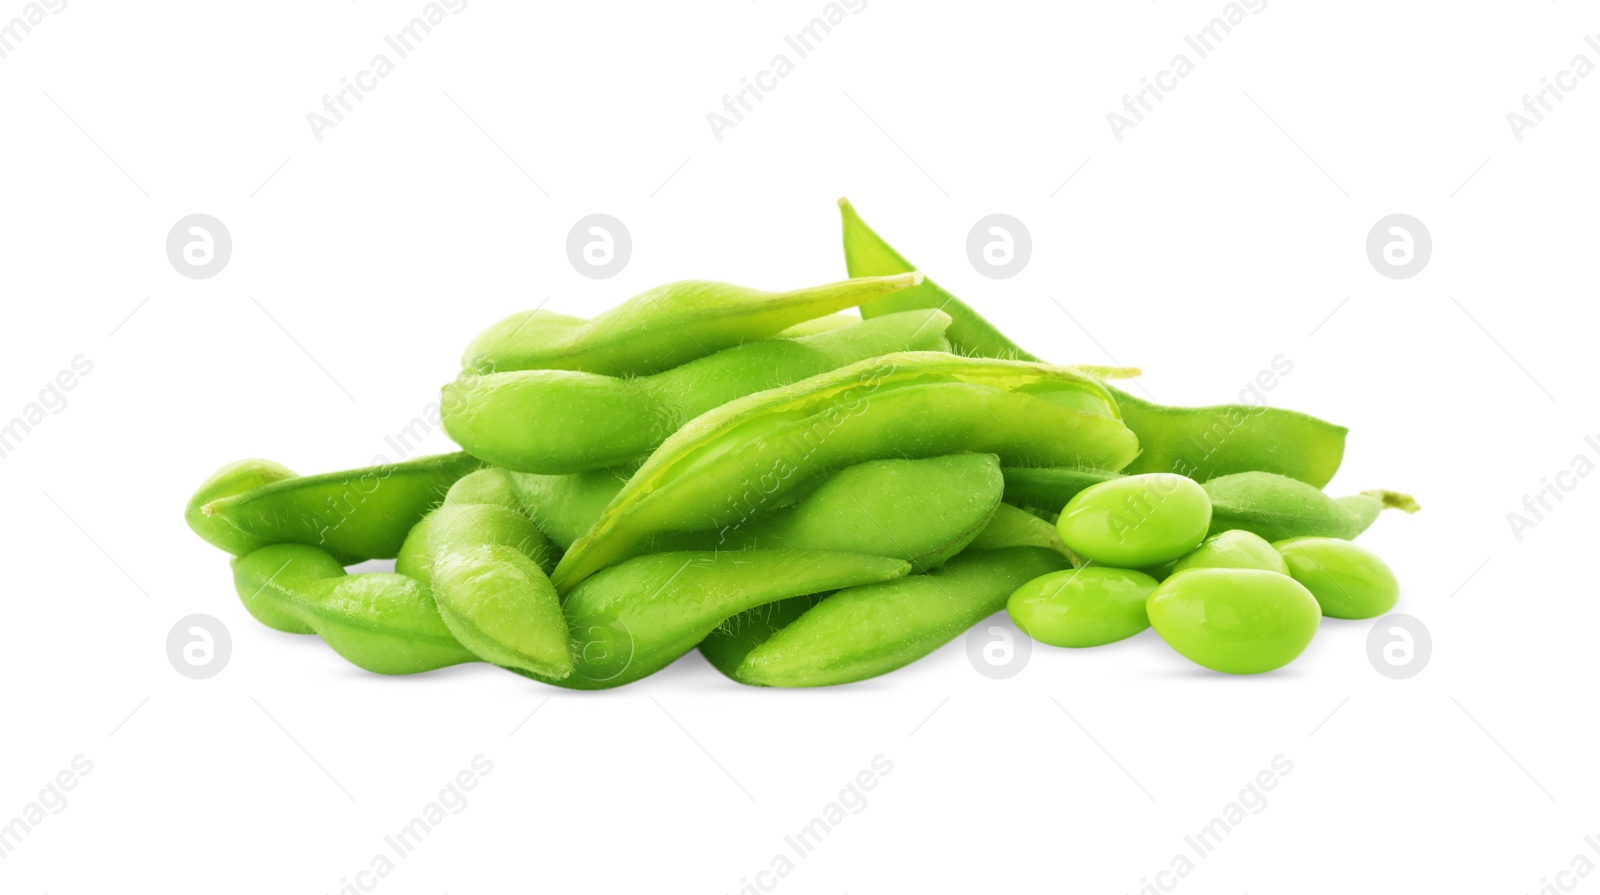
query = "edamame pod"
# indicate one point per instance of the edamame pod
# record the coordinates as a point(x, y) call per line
point(867, 254)
point(566, 506)
point(916, 404)
point(1263, 503)
point(1276, 507)
point(726, 647)
point(920, 511)
point(663, 327)
point(381, 621)
point(488, 577)
point(1206, 442)
point(235, 478)
point(355, 515)
point(862, 632)
point(564, 421)
point(645, 613)
point(1365, 507)
point(1050, 487)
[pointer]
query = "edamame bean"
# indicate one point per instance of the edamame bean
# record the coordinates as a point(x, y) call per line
point(1235, 549)
point(1263, 503)
point(1136, 521)
point(380, 621)
point(1091, 606)
point(726, 647)
point(866, 254)
point(488, 577)
point(588, 421)
point(648, 611)
point(355, 515)
point(663, 327)
point(1349, 581)
point(566, 506)
point(1240, 621)
point(915, 404)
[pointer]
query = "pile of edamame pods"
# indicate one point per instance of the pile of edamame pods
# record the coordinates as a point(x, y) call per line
point(808, 497)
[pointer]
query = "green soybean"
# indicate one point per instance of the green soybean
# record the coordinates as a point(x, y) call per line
point(1239, 621)
point(564, 421)
point(916, 404)
point(663, 327)
point(1136, 521)
point(1091, 606)
point(380, 621)
point(726, 647)
point(1235, 549)
point(355, 515)
point(1348, 580)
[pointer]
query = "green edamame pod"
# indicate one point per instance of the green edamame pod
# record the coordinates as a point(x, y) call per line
point(867, 254)
point(488, 576)
point(862, 632)
point(663, 327)
point(564, 421)
point(1013, 527)
point(355, 515)
point(920, 511)
point(382, 622)
point(646, 612)
point(916, 404)
point(1276, 507)
point(235, 478)
point(1049, 487)
point(1365, 507)
point(1204, 443)
point(566, 506)
point(726, 647)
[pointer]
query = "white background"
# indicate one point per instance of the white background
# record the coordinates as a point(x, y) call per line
point(1225, 230)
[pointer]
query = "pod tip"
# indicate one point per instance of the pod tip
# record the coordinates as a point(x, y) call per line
point(843, 202)
point(917, 278)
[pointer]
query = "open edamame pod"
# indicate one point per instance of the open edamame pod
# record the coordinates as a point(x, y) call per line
point(866, 254)
point(355, 515)
point(563, 421)
point(634, 619)
point(663, 327)
point(916, 404)
point(488, 577)
point(379, 621)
